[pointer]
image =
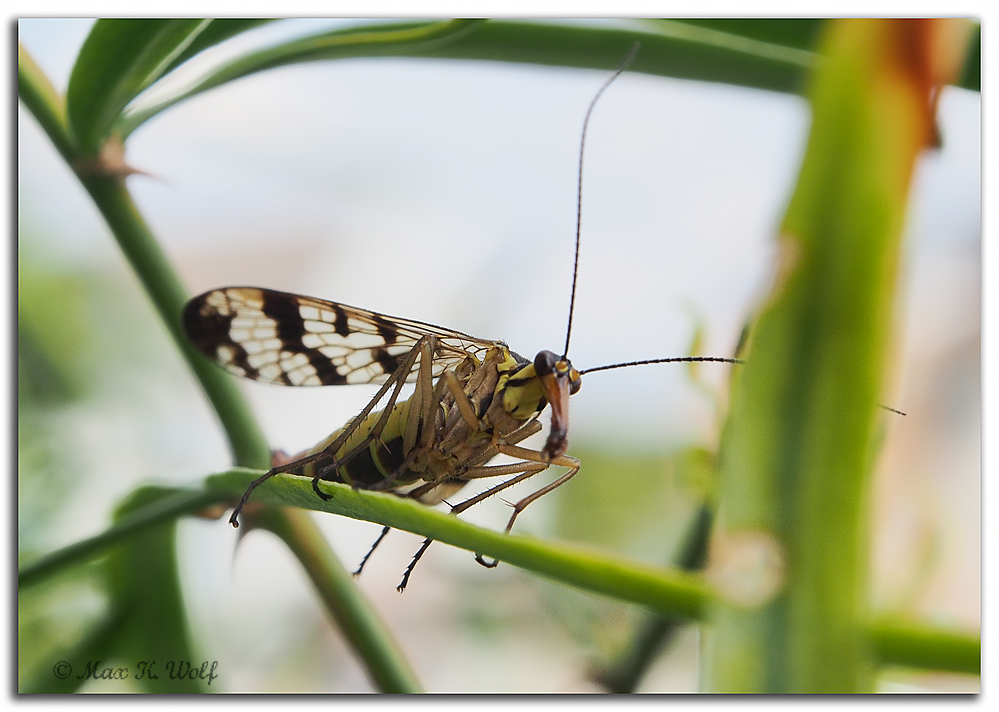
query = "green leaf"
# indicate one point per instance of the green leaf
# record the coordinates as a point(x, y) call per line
point(118, 60)
point(669, 48)
point(145, 588)
point(377, 40)
point(145, 618)
point(218, 31)
point(800, 33)
point(774, 54)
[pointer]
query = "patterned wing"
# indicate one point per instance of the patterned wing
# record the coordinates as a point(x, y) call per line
point(293, 340)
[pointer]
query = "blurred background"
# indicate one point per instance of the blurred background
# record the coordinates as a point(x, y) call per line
point(445, 191)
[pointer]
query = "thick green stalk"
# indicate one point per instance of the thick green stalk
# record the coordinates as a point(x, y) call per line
point(798, 446)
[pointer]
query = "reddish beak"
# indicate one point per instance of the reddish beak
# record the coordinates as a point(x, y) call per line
point(556, 389)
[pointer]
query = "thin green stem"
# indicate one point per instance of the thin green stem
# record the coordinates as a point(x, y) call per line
point(894, 641)
point(357, 620)
point(143, 252)
point(89, 549)
point(655, 632)
point(40, 98)
point(246, 440)
point(672, 49)
point(671, 592)
point(679, 595)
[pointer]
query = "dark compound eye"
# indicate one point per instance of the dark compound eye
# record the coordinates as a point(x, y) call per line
point(574, 385)
point(544, 362)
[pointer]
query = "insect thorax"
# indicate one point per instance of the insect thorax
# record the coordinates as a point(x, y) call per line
point(504, 392)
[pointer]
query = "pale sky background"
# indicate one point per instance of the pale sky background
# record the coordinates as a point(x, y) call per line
point(445, 192)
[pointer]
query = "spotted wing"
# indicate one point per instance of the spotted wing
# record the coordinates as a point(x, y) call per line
point(293, 340)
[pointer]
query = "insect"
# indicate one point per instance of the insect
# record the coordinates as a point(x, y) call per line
point(473, 398)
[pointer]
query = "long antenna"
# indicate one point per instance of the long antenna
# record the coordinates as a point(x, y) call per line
point(676, 359)
point(579, 193)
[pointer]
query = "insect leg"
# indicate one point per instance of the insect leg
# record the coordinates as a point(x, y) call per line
point(525, 431)
point(422, 401)
point(478, 470)
point(534, 456)
point(532, 468)
point(513, 468)
point(385, 531)
point(421, 413)
point(523, 471)
point(535, 462)
point(467, 411)
point(462, 402)
point(412, 565)
point(398, 378)
point(526, 470)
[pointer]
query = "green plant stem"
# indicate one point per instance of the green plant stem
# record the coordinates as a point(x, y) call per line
point(671, 592)
point(88, 549)
point(355, 617)
point(655, 632)
point(246, 440)
point(916, 645)
point(727, 51)
point(357, 620)
point(40, 98)
point(799, 445)
point(679, 595)
point(894, 641)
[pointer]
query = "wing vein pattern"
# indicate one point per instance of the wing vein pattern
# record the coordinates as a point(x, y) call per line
point(292, 340)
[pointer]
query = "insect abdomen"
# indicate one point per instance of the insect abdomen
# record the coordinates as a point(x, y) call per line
point(374, 462)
